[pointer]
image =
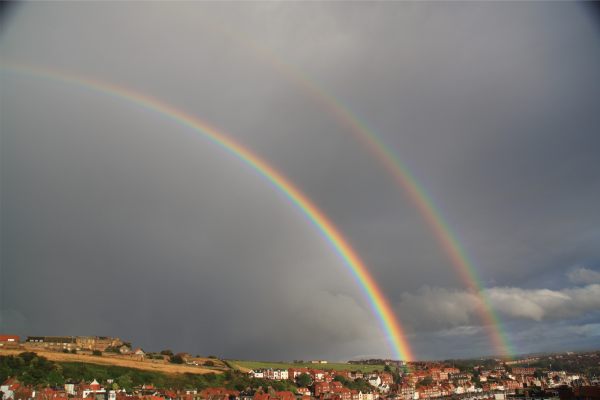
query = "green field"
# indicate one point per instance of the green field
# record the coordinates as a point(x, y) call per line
point(239, 364)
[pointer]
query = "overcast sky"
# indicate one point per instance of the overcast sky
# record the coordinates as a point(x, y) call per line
point(117, 221)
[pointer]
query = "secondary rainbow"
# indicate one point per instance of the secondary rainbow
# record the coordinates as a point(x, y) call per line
point(402, 175)
point(378, 302)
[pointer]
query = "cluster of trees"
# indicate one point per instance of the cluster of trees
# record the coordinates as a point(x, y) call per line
point(428, 380)
point(357, 384)
point(31, 369)
point(35, 370)
point(586, 363)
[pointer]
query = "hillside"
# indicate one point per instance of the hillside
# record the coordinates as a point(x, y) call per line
point(146, 365)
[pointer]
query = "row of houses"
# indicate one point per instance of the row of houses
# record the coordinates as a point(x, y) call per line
point(70, 343)
point(100, 343)
point(318, 375)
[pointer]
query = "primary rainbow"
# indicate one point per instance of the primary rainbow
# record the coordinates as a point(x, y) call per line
point(377, 300)
point(447, 239)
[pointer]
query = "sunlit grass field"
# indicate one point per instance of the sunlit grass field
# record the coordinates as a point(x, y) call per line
point(248, 365)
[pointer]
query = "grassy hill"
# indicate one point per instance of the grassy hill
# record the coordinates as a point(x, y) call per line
point(246, 366)
point(37, 370)
point(119, 361)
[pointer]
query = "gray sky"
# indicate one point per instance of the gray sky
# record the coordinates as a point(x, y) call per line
point(117, 221)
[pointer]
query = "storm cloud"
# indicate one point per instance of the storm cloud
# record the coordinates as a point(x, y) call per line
point(119, 221)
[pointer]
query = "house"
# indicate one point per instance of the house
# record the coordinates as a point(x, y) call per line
point(9, 387)
point(93, 391)
point(139, 353)
point(100, 343)
point(219, 393)
point(318, 375)
point(459, 390)
point(343, 393)
point(52, 342)
point(9, 341)
point(293, 373)
point(407, 392)
point(26, 393)
point(427, 392)
point(523, 371)
point(356, 375)
point(261, 396)
point(386, 378)
point(285, 395)
point(258, 373)
point(70, 389)
point(48, 394)
point(281, 375)
point(375, 381)
point(320, 388)
point(276, 374)
point(512, 385)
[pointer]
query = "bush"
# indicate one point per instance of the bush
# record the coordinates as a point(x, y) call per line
point(177, 359)
point(97, 352)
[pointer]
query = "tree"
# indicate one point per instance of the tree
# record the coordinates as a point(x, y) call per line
point(125, 382)
point(538, 374)
point(55, 378)
point(167, 352)
point(176, 359)
point(27, 356)
point(428, 380)
point(304, 380)
point(341, 379)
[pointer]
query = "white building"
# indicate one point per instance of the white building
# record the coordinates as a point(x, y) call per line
point(259, 373)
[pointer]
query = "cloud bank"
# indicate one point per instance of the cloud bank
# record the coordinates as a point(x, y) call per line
point(440, 308)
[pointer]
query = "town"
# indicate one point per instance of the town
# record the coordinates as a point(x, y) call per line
point(568, 376)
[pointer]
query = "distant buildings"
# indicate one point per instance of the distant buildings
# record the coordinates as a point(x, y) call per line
point(9, 341)
point(100, 343)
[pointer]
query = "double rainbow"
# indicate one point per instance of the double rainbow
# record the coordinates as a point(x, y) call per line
point(403, 177)
point(339, 243)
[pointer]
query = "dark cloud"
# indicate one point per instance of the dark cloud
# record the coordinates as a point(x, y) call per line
point(118, 221)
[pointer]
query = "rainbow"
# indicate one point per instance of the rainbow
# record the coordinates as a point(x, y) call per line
point(403, 177)
point(378, 302)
